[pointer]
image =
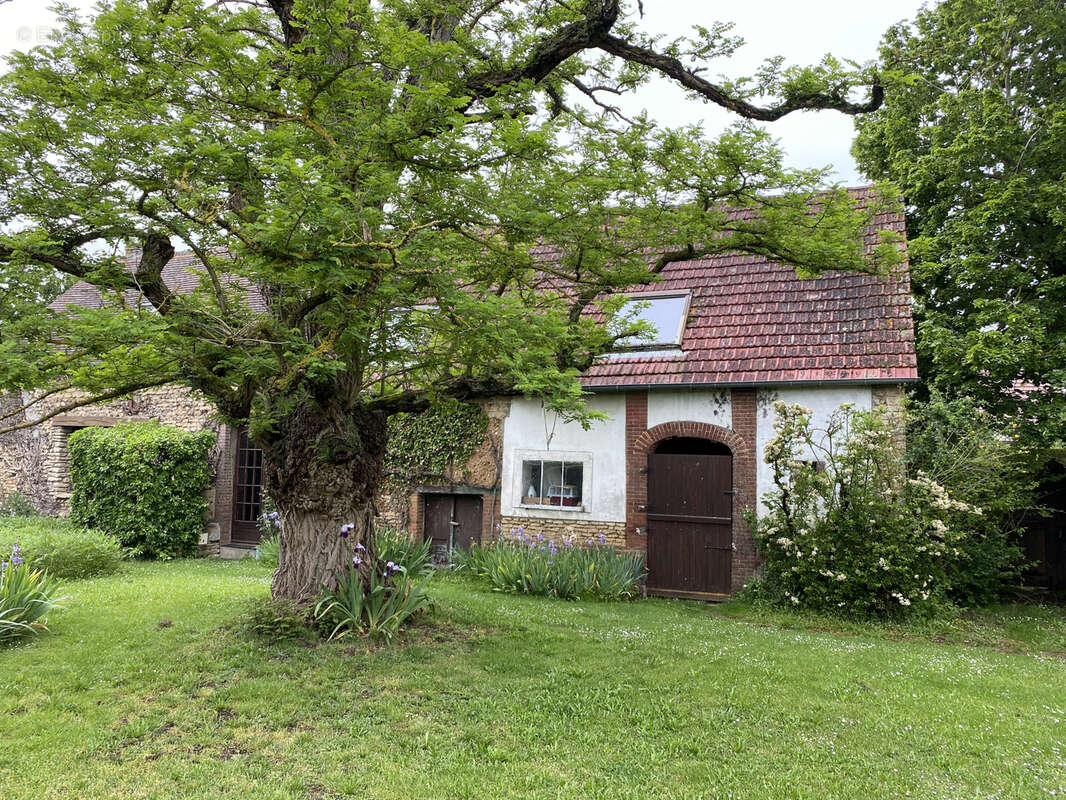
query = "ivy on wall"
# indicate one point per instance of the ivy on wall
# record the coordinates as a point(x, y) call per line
point(430, 444)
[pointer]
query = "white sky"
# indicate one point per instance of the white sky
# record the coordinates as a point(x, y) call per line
point(802, 32)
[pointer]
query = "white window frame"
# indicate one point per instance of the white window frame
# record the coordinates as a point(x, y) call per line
point(584, 459)
point(679, 334)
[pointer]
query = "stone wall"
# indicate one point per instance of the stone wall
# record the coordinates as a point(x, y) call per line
point(36, 461)
point(481, 471)
point(559, 530)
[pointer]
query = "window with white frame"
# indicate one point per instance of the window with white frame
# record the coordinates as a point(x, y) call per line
point(665, 313)
point(554, 484)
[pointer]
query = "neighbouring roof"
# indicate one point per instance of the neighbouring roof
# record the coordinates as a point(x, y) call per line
point(181, 275)
point(750, 321)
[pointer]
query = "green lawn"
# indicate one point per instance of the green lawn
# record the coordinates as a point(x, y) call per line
point(145, 689)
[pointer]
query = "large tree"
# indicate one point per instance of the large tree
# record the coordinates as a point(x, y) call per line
point(371, 189)
point(973, 131)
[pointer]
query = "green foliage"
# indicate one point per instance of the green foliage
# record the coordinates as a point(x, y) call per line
point(390, 178)
point(844, 529)
point(428, 444)
point(377, 604)
point(399, 548)
point(277, 620)
point(983, 462)
point(268, 552)
point(348, 193)
point(143, 483)
point(527, 564)
point(17, 504)
point(60, 548)
point(27, 596)
point(973, 131)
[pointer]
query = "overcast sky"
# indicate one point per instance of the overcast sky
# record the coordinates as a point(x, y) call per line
point(801, 32)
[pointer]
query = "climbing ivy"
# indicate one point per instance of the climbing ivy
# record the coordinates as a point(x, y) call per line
point(427, 444)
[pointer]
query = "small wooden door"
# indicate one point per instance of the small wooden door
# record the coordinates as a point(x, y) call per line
point(690, 524)
point(452, 520)
point(247, 491)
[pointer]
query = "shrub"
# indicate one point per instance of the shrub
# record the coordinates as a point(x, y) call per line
point(851, 532)
point(60, 548)
point(17, 504)
point(378, 605)
point(532, 565)
point(144, 483)
point(979, 459)
point(398, 547)
point(26, 598)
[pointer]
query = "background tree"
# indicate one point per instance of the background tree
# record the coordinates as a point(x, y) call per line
point(973, 131)
point(374, 190)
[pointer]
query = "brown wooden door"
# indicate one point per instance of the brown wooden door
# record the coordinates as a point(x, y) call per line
point(247, 491)
point(452, 520)
point(690, 524)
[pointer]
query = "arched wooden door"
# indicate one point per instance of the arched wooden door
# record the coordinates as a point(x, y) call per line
point(690, 518)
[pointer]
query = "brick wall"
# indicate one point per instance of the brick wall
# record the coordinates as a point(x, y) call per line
point(636, 471)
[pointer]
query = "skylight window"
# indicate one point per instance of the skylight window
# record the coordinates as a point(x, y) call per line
point(665, 313)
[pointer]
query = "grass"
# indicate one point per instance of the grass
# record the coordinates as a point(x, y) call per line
point(147, 688)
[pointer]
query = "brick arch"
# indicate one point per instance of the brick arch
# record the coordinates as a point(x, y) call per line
point(647, 441)
point(740, 440)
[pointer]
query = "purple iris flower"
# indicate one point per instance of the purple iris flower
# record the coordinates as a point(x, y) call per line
point(591, 543)
point(359, 547)
point(553, 551)
point(603, 539)
point(347, 528)
point(356, 561)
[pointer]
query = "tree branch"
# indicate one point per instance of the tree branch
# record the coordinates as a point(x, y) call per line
point(668, 65)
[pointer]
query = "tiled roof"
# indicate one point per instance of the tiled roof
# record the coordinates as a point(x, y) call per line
point(181, 275)
point(752, 321)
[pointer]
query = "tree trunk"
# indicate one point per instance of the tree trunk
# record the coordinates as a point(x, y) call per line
point(323, 468)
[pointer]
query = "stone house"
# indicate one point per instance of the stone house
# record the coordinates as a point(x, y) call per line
point(669, 471)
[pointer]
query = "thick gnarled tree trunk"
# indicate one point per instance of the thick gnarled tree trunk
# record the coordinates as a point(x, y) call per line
point(323, 469)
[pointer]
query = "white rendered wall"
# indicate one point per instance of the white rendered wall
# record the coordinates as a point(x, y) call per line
point(822, 401)
point(531, 432)
point(695, 405)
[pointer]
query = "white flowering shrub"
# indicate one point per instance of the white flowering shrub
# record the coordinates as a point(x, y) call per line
point(843, 528)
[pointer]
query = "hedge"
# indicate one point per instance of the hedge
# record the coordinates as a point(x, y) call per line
point(142, 482)
point(59, 547)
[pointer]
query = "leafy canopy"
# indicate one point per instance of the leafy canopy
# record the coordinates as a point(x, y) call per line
point(973, 130)
point(391, 202)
